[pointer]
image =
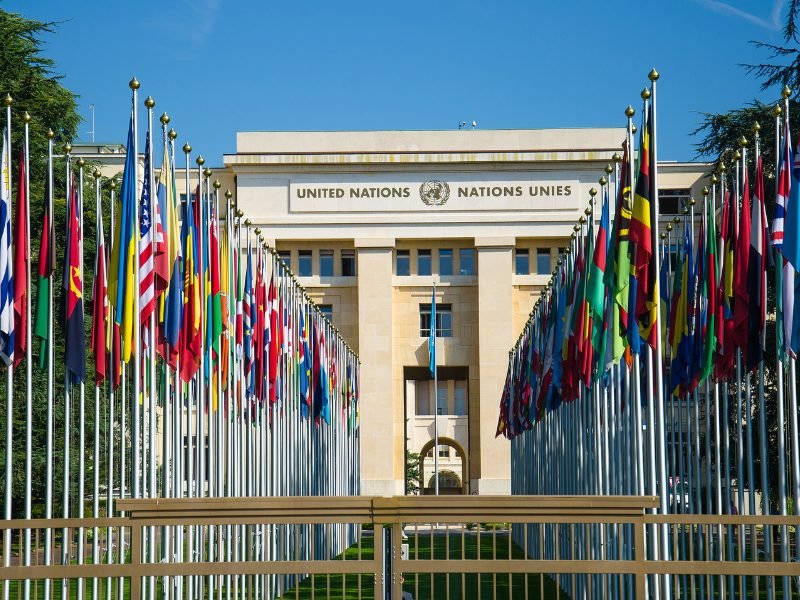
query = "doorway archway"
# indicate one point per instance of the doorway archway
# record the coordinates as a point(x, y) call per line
point(444, 441)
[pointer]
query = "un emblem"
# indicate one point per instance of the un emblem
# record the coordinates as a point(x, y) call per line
point(434, 192)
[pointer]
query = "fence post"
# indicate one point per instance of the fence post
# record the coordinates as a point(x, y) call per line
point(640, 556)
point(136, 561)
point(397, 549)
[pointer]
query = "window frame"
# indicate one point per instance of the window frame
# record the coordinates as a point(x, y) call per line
point(471, 253)
point(519, 253)
point(443, 311)
point(441, 270)
point(324, 254)
point(405, 255)
point(301, 255)
point(427, 254)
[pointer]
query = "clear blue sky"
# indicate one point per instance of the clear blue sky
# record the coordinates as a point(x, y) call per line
point(222, 66)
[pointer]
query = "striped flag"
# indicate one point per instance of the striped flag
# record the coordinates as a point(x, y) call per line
point(248, 306)
point(786, 306)
point(757, 274)
point(6, 263)
point(100, 309)
point(147, 288)
point(21, 258)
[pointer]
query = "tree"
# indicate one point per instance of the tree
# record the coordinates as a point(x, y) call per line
point(772, 74)
point(412, 473)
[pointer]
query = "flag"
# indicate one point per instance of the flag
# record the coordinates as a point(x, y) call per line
point(596, 292)
point(74, 345)
point(274, 341)
point(305, 366)
point(21, 257)
point(47, 266)
point(122, 270)
point(642, 220)
point(6, 263)
point(785, 304)
point(708, 291)
point(724, 362)
point(171, 303)
point(791, 231)
point(757, 274)
point(617, 278)
point(190, 336)
point(147, 286)
point(432, 336)
point(100, 306)
point(247, 325)
point(741, 302)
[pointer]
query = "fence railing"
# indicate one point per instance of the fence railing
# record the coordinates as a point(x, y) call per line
point(428, 547)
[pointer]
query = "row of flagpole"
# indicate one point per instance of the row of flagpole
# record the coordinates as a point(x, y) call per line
point(583, 416)
point(215, 373)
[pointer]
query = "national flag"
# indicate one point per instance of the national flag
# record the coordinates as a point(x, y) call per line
point(274, 342)
point(122, 270)
point(74, 344)
point(757, 274)
point(190, 337)
point(215, 314)
point(100, 309)
point(324, 382)
point(785, 304)
point(617, 278)
point(791, 233)
point(432, 336)
point(304, 366)
point(247, 325)
point(47, 266)
point(171, 302)
point(147, 287)
point(6, 262)
point(596, 292)
point(708, 291)
point(741, 303)
point(21, 258)
point(724, 361)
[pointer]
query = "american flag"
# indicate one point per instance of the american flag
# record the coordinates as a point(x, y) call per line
point(147, 289)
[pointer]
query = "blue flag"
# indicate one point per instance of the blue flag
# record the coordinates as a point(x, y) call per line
point(432, 336)
point(791, 233)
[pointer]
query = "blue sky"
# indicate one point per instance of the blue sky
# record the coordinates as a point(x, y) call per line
point(222, 66)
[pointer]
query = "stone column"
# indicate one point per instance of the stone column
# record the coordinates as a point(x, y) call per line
point(382, 460)
point(495, 337)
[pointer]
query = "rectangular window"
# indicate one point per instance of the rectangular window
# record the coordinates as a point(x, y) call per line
point(348, 263)
point(672, 202)
point(460, 398)
point(327, 310)
point(522, 262)
point(466, 257)
point(423, 262)
point(444, 451)
point(304, 267)
point(441, 399)
point(403, 266)
point(326, 263)
point(444, 320)
point(543, 261)
point(286, 257)
point(445, 261)
point(423, 398)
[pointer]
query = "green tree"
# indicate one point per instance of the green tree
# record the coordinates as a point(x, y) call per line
point(412, 473)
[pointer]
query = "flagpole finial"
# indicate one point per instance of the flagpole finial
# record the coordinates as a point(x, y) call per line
point(692, 201)
point(583, 219)
point(669, 226)
point(200, 160)
point(112, 184)
point(653, 75)
point(786, 92)
point(633, 129)
point(149, 102)
point(229, 195)
point(685, 211)
point(97, 174)
point(8, 100)
point(742, 142)
point(676, 220)
point(26, 118)
point(737, 155)
point(207, 172)
point(50, 134)
point(217, 184)
point(187, 148)
point(756, 128)
point(257, 229)
point(248, 222)
point(80, 163)
point(134, 83)
point(706, 191)
point(714, 179)
point(723, 168)
point(592, 193)
point(616, 158)
point(629, 112)
point(645, 94)
point(164, 118)
point(67, 148)
point(172, 134)
point(663, 236)
point(609, 169)
point(777, 110)
point(602, 180)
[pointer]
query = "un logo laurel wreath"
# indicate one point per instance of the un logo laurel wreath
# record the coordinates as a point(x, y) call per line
point(434, 192)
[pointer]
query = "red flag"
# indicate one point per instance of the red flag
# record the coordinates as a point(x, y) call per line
point(21, 258)
point(274, 342)
point(100, 309)
point(741, 303)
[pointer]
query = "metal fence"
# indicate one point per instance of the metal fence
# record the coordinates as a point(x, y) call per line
point(401, 547)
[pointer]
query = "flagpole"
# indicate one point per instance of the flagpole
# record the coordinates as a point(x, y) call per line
point(10, 368)
point(28, 362)
point(48, 507)
point(82, 391)
point(96, 454)
point(136, 469)
point(65, 558)
point(111, 418)
point(435, 397)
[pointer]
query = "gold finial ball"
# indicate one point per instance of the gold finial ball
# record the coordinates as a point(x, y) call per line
point(737, 155)
point(786, 92)
point(676, 220)
point(164, 118)
point(714, 179)
point(663, 236)
point(228, 194)
point(207, 172)
point(645, 94)
point(258, 231)
point(200, 160)
point(217, 184)
point(575, 228)
point(239, 213)
point(742, 142)
point(187, 148)
point(685, 211)
point(50, 134)
point(602, 180)
point(706, 191)
point(629, 112)
point(112, 184)
point(616, 158)
point(248, 222)
point(633, 129)
point(81, 163)
point(669, 226)
point(587, 211)
point(26, 118)
point(134, 84)
point(609, 169)
point(756, 128)
point(692, 201)
point(172, 134)
point(777, 110)
point(593, 192)
point(560, 261)
point(149, 102)
point(67, 148)
point(723, 168)
point(97, 173)
point(569, 250)
point(653, 75)
point(8, 100)
point(582, 220)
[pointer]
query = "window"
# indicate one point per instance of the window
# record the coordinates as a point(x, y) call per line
point(348, 263)
point(445, 261)
point(326, 263)
point(423, 398)
point(444, 320)
point(441, 399)
point(423, 262)
point(460, 398)
point(430, 453)
point(543, 261)
point(444, 451)
point(304, 269)
point(521, 262)
point(403, 266)
point(327, 310)
point(286, 257)
point(672, 202)
point(466, 258)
